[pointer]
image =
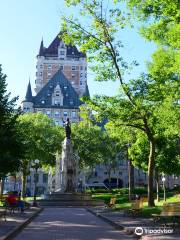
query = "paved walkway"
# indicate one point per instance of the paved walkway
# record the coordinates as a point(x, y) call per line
point(15, 221)
point(69, 223)
point(130, 224)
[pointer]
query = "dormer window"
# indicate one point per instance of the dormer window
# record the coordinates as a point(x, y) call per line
point(57, 93)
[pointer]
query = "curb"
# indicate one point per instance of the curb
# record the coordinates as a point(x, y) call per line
point(115, 225)
point(19, 228)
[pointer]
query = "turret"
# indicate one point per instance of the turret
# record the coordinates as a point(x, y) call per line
point(41, 49)
point(27, 104)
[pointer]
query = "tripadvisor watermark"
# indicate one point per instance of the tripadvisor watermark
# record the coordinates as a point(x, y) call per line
point(147, 231)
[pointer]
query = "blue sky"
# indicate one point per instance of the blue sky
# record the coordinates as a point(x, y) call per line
point(24, 23)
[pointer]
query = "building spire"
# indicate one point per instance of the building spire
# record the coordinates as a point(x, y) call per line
point(41, 49)
point(28, 96)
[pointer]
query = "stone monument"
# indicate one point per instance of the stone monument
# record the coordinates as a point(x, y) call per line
point(65, 193)
point(66, 166)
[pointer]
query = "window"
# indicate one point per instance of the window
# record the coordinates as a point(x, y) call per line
point(62, 52)
point(49, 66)
point(62, 45)
point(81, 74)
point(41, 66)
point(40, 74)
point(49, 74)
point(57, 114)
point(61, 67)
point(57, 93)
point(73, 68)
point(65, 114)
point(73, 114)
point(48, 113)
point(81, 67)
point(56, 123)
point(81, 83)
point(45, 178)
point(56, 102)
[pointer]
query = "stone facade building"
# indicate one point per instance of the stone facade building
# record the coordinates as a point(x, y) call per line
point(61, 79)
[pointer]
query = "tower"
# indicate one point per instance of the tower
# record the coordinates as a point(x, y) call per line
point(61, 79)
point(67, 58)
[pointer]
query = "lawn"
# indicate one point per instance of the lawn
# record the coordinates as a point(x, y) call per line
point(123, 203)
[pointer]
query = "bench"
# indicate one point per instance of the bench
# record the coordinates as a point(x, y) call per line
point(112, 202)
point(170, 210)
point(135, 209)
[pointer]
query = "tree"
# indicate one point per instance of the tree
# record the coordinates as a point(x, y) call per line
point(140, 98)
point(41, 140)
point(10, 140)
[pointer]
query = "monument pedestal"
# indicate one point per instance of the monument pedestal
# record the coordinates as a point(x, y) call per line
point(66, 169)
point(57, 199)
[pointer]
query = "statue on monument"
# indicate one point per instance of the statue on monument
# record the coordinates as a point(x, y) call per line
point(68, 129)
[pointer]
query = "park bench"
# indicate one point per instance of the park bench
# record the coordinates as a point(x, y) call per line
point(135, 209)
point(169, 214)
point(112, 202)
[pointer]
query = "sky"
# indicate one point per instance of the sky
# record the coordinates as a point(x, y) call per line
point(24, 23)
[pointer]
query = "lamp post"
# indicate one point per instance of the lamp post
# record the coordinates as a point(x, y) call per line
point(35, 166)
point(164, 188)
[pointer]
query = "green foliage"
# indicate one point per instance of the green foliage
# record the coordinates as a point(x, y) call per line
point(10, 140)
point(138, 105)
point(41, 138)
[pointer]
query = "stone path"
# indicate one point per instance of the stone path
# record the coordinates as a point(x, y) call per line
point(69, 224)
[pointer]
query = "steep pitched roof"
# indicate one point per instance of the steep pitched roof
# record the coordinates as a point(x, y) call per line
point(52, 50)
point(41, 49)
point(28, 97)
point(86, 93)
point(44, 97)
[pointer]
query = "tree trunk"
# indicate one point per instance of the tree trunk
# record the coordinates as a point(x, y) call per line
point(2, 188)
point(150, 173)
point(131, 178)
point(157, 185)
point(24, 178)
point(15, 179)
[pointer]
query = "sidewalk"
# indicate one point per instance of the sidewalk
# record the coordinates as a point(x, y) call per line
point(16, 221)
point(129, 224)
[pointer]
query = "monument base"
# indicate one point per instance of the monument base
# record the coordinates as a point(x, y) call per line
point(57, 199)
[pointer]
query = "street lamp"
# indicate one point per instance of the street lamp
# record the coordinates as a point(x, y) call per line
point(164, 188)
point(35, 166)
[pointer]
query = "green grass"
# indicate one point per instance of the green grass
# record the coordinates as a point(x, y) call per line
point(123, 203)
